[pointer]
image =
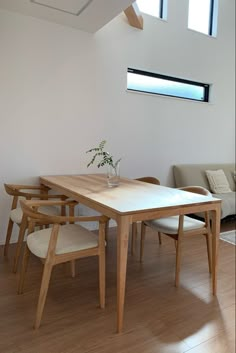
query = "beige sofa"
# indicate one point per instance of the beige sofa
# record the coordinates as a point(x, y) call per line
point(195, 174)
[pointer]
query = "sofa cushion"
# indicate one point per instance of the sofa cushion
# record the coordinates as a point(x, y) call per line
point(218, 181)
point(228, 206)
point(194, 174)
point(234, 175)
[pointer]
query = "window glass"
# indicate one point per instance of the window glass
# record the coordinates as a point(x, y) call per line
point(150, 7)
point(143, 81)
point(201, 15)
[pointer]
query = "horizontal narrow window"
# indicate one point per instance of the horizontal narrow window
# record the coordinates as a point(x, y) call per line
point(143, 81)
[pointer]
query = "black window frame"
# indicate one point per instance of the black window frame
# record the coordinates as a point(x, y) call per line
point(211, 19)
point(205, 86)
point(161, 9)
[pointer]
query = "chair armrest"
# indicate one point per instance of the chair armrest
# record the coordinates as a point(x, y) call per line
point(196, 189)
point(25, 187)
point(30, 209)
point(15, 190)
point(31, 204)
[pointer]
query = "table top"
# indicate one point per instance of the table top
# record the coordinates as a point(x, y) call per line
point(129, 197)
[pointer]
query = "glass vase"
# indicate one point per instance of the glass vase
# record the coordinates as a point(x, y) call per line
point(113, 175)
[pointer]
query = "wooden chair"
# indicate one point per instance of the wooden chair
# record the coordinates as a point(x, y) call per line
point(27, 192)
point(61, 243)
point(150, 180)
point(178, 226)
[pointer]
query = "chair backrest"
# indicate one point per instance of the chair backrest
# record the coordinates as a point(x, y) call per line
point(150, 180)
point(202, 191)
point(29, 192)
point(32, 209)
point(196, 189)
point(23, 190)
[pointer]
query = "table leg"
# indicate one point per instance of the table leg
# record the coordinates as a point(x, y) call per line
point(216, 213)
point(122, 251)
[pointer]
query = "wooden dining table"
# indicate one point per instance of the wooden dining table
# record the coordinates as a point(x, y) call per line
point(134, 201)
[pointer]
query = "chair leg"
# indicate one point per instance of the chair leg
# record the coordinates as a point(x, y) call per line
point(142, 239)
point(178, 243)
point(43, 292)
point(8, 237)
point(72, 268)
point(20, 240)
point(102, 280)
point(159, 237)
point(102, 265)
point(47, 270)
point(106, 232)
point(25, 262)
point(178, 261)
point(133, 237)
point(208, 243)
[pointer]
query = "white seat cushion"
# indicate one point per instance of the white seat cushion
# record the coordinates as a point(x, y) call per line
point(170, 225)
point(71, 237)
point(17, 214)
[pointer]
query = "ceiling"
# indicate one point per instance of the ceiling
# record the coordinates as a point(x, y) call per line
point(86, 15)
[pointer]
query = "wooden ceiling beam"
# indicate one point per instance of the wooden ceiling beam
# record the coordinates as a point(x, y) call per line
point(134, 16)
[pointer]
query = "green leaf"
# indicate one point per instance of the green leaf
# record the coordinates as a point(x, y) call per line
point(106, 158)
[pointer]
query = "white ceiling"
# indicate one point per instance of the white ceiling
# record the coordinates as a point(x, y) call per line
point(86, 15)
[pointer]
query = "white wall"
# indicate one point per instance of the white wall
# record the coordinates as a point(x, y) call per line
point(62, 91)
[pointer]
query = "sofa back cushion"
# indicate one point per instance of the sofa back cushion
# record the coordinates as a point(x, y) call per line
point(218, 181)
point(195, 174)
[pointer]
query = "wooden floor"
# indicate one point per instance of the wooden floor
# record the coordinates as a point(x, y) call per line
point(158, 317)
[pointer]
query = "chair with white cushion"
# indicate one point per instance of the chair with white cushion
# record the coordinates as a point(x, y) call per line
point(177, 227)
point(150, 180)
point(28, 192)
point(64, 241)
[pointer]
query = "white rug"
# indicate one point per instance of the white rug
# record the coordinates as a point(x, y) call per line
point(230, 236)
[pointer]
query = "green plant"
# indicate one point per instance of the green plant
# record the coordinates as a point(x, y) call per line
point(106, 158)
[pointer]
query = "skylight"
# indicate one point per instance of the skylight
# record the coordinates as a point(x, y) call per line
point(150, 7)
point(202, 16)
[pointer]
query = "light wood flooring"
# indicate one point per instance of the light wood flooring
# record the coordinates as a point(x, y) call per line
point(158, 317)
